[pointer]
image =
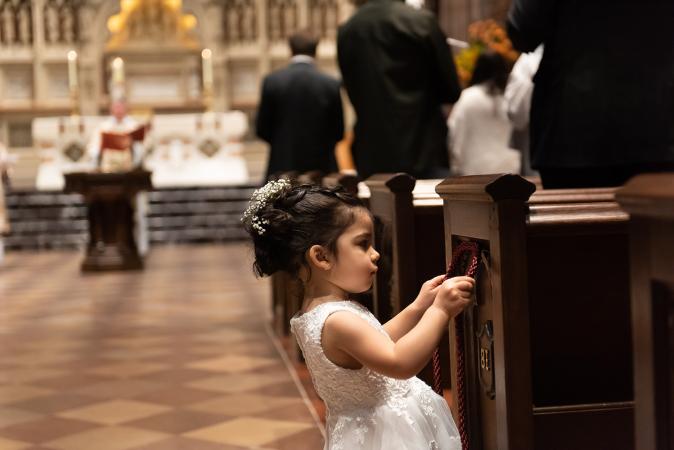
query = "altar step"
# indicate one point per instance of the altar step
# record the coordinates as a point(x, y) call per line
point(197, 214)
point(54, 220)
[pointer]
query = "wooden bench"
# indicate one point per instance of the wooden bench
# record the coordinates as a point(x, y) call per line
point(409, 236)
point(650, 201)
point(548, 344)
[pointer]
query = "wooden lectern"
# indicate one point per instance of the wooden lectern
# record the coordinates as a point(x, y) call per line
point(110, 201)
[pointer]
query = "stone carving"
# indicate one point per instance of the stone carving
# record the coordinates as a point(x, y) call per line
point(61, 21)
point(7, 21)
point(282, 19)
point(323, 17)
point(239, 21)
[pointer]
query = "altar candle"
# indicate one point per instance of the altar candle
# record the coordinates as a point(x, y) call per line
point(118, 70)
point(72, 70)
point(207, 68)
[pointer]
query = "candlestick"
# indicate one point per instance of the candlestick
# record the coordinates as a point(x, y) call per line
point(118, 71)
point(72, 70)
point(207, 68)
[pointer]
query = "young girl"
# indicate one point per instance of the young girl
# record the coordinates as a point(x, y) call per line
point(365, 372)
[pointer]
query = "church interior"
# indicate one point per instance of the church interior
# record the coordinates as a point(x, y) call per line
point(130, 314)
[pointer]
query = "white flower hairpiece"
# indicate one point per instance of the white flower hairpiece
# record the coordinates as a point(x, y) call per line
point(260, 198)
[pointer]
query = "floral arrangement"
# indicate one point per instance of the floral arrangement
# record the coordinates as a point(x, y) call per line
point(482, 35)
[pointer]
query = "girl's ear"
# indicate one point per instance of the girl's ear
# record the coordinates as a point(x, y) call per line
point(319, 257)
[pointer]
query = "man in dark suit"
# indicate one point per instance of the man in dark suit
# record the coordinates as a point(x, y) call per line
point(300, 113)
point(398, 71)
point(603, 101)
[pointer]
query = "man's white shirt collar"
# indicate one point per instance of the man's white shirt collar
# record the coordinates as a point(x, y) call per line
point(301, 59)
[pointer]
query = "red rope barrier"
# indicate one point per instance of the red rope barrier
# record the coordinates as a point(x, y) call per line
point(472, 251)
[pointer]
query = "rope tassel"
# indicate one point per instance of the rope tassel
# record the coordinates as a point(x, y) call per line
point(465, 255)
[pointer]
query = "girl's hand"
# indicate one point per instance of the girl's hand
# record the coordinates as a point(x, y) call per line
point(428, 292)
point(454, 295)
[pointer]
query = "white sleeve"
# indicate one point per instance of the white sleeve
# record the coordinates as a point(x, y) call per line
point(94, 145)
point(520, 88)
point(457, 132)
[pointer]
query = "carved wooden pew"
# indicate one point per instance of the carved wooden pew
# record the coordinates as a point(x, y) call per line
point(548, 345)
point(650, 201)
point(409, 237)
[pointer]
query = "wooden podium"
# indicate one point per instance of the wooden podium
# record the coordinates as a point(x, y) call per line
point(110, 202)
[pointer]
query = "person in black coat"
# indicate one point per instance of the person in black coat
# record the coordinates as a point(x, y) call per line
point(603, 100)
point(398, 70)
point(300, 113)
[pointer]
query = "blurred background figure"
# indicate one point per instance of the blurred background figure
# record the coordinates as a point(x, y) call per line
point(518, 94)
point(118, 122)
point(4, 183)
point(603, 100)
point(479, 127)
point(398, 72)
point(300, 112)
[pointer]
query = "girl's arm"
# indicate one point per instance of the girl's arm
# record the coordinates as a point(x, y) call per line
point(345, 332)
point(406, 319)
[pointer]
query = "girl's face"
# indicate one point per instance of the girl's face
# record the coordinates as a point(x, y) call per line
point(355, 264)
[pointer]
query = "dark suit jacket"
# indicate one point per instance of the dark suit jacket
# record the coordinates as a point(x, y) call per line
point(300, 116)
point(398, 70)
point(604, 92)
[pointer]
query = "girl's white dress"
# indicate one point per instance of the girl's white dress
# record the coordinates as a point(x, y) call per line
point(367, 410)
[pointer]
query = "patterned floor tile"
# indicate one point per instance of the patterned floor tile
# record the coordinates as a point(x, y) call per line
point(11, 416)
point(107, 438)
point(13, 394)
point(114, 412)
point(9, 444)
point(182, 443)
point(310, 439)
point(238, 382)
point(29, 375)
point(179, 421)
point(120, 388)
point(50, 404)
point(177, 396)
point(244, 404)
point(127, 369)
point(247, 431)
point(232, 363)
point(45, 429)
point(141, 361)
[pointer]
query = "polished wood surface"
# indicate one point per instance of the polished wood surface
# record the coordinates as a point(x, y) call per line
point(650, 201)
point(409, 237)
point(549, 362)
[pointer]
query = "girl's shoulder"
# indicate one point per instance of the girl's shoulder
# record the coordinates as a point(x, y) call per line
point(330, 307)
point(319, 314)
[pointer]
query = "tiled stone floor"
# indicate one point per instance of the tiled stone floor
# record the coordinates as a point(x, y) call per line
point(177, 357)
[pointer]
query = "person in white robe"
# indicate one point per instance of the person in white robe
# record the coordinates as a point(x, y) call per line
point(120, 122)
point(479, 127)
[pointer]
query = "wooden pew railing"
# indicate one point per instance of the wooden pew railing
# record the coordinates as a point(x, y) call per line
point(548, 345)
point(650, 201)
point(409, 238)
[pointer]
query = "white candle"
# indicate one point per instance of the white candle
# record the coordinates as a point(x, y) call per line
point(207, 68)
point(72, 70)
point(118, 70)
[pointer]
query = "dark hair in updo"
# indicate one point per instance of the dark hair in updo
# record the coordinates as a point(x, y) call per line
point(298, 218)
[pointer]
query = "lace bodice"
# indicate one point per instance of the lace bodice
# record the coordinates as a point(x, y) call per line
point(343, 389)
point(365, 409)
